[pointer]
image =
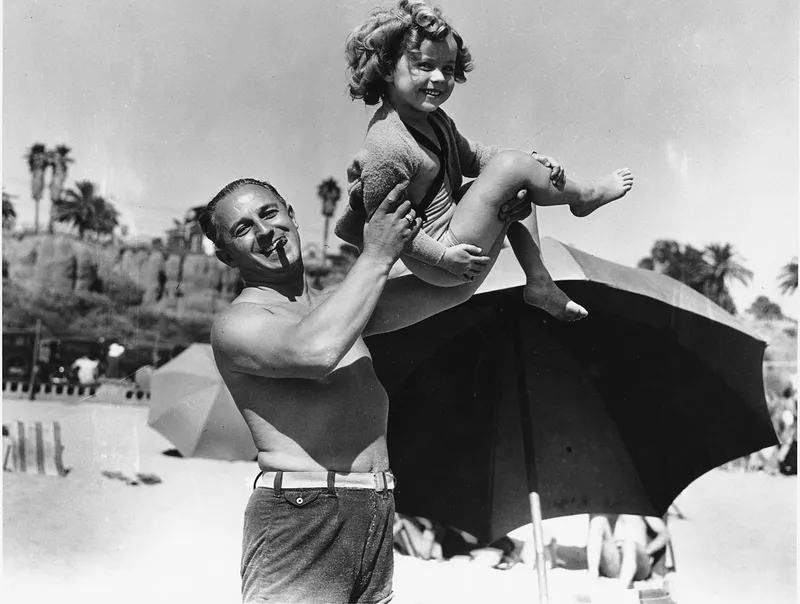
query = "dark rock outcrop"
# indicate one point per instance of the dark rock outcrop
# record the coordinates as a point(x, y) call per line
point(62, 263)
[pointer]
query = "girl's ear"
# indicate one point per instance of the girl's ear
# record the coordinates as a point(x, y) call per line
point(389, 77)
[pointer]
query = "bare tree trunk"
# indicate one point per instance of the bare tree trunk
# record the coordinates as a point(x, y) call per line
point(37, 186)
point(36, 217)
point(325, 239)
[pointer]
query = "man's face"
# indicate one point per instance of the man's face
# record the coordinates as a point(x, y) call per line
point(258, 234)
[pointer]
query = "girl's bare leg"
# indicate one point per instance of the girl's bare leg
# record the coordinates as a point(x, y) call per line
point(475, 221)
point(540, 289)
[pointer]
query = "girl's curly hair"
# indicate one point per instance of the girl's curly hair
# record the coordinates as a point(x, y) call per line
point(373, 48)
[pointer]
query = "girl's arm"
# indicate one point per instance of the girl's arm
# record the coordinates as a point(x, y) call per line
point(426, 249)
point(380, 172)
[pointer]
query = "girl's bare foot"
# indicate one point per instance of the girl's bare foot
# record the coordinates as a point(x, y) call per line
point(605, 190)
point(542, 292)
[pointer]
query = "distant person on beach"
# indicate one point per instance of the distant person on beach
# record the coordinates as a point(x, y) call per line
point(318, 526)
point(619, 546)
point(87, 370)
point(113, 358)
point(409, 58)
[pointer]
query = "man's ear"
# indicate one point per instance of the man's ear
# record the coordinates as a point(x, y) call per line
point(389, 77)
point(290, 210)
point(225, 257)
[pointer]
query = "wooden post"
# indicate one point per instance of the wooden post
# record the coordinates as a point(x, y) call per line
point(37, 340)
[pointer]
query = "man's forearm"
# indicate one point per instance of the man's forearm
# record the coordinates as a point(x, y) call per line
point(332, 328)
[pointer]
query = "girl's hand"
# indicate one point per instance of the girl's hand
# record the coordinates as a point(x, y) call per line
point(464, 260)
point(557, 174)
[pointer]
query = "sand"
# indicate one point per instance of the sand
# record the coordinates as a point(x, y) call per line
point(87, 538)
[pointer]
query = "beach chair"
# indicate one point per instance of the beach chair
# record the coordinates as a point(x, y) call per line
point(416, 537)
point(33, 448)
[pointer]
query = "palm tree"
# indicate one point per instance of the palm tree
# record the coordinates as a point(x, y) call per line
point(81, 206)
point(9, 213)
point(330, 193)
point(788, 278)
point(708, 271)
point(723, 268)
point(106, 217)
point(686, 264)
point(37, 164)
point(59, 160)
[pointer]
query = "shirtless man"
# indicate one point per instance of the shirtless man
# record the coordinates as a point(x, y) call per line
point(619, 548)
point(319, 526)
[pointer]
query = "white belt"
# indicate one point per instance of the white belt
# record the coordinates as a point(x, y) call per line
point(378, 481)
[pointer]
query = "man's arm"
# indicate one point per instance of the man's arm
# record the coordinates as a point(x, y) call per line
point(250, 339)
point(408, 300)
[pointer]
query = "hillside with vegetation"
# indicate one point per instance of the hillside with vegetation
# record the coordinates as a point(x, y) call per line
point(80, 278)
point(80, 275)
point(81, 288)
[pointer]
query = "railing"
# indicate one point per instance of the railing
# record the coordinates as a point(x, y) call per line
point(106, 393)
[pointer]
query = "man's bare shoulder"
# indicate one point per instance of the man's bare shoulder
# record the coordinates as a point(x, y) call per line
point(255, 314)
point(247, 316)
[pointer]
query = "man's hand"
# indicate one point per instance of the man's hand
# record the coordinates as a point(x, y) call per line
point(557, 174)
point(464, 260)
point(515, 209)
point(393, 225)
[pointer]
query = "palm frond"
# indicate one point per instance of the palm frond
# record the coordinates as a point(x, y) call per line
point(788, 278)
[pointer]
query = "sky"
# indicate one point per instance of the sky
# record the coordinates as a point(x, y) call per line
point(165, 102)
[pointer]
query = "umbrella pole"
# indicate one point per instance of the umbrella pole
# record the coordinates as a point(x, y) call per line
point(527, 444)
point(538, 544)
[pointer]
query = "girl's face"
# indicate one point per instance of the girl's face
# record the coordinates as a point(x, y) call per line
point(418, 86)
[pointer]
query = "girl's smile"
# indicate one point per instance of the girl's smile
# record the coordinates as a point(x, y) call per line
point(420, 84)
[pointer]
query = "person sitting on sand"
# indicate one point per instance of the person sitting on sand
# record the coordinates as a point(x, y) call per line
point(410, 58)
point(619, 548)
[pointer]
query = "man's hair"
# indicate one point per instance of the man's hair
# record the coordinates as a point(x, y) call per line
point(207, 216)
point(374, 47)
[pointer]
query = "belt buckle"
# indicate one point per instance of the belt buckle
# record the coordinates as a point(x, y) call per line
point(381, 483)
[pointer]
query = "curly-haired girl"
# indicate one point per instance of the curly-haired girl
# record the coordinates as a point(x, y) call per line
point(409, 58)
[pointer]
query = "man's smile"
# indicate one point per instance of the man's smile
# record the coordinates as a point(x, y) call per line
point(277, 244)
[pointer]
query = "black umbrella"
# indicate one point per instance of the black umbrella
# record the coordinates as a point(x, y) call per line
point(493, 400)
